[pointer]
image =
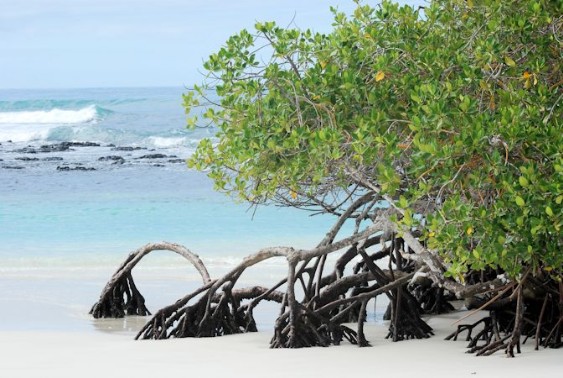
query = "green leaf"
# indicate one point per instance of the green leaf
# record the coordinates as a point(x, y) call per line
point(520, 201)
point(403, 203)
point(407, 218)
point(520, 221)
point(523, 181)
point(415, 98)
point(509, 61)
point(549, 211)
point(534, 230)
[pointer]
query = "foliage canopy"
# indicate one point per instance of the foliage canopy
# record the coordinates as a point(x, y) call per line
point(452, 112)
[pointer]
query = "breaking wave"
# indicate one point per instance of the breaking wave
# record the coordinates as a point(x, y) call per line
point(30, 125)
point(54, 116)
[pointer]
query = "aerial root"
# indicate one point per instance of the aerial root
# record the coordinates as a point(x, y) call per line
point(310, 329)
point(123, 299)
point(224, 315)
point(120, 296)
point(513, 317)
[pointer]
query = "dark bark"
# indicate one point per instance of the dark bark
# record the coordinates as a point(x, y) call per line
point(316, 299)
point(528, 310)
point(120, 296)
point(219, 308)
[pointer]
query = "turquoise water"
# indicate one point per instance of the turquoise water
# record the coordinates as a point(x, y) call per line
point(74, 218)
point(105, 209)
point(70, 213)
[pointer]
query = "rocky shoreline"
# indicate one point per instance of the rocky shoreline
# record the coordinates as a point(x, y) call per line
point(82, 156)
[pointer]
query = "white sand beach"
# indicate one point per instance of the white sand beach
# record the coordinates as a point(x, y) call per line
point(96, 353)
point(45, 331)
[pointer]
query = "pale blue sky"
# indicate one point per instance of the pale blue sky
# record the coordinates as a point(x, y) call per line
point(116, 43)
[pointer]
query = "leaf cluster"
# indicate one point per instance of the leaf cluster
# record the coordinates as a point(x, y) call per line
point(452, 111)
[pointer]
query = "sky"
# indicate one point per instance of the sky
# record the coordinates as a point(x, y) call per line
point(133, 43)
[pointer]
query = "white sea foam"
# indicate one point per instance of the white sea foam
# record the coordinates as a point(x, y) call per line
point(26, 126)
point(53, 116)
point(24, 133)
point(164, 142)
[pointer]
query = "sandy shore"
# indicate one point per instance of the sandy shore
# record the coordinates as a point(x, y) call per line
point(97, 353)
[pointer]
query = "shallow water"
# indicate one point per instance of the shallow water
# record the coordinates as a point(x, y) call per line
point(86, 176)
point(81, 199)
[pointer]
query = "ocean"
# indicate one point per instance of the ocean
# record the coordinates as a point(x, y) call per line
point(89, 175)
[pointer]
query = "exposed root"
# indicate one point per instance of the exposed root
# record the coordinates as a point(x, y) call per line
point(225, 316)
point(120, 296)
point(406, 322)
point(314, 305)
point(316, 300)
point(516, 316)
point(309, 329)
point(432, 299)
point(123, 299)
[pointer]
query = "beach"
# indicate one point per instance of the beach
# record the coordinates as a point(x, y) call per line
point(89, 354)
point(45, 331)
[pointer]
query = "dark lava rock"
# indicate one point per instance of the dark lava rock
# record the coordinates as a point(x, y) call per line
point(26, 150)
point(176, 161)
point(44, 149)
point(116, 159)
point(52, 158)
point(25, 158)
point(127, 148)
point(78, 168)
point(81, 144)
point(12, 167)
point(153, 156)
point(57, 147)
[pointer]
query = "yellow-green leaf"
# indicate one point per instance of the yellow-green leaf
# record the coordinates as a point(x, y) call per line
point(520, 201)
point(523, 181)
point(407, 218)
point(403, 203)
point(549, 211)
point(415, 98)
point(509, 61)
point(520, 221)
